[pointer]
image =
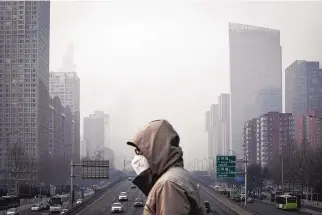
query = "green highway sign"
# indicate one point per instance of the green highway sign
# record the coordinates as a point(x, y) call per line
point(226, 166)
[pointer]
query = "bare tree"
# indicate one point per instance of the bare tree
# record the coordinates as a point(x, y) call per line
point(256, 175)
point(19, 165)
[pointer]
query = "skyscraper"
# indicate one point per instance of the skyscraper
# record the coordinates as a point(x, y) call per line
point(96, 132)
point(255, 64)
point(24, 83)
point(66, 85)
point(303, 87)
point(303, 98)
point(274, 131)
point(224, 145)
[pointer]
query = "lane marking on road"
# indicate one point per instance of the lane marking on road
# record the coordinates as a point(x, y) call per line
point(103, 210)
point(93, 203)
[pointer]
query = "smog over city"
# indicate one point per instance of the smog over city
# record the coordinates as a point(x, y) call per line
point(228, 91)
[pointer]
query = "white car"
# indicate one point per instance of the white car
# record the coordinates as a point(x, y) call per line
point(36, 207)
point(63, 211)
point(12, 211)
point(79, 201)
point(117, 208)
point(123, 196)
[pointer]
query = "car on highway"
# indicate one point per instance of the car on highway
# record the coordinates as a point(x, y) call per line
point(123, 196)
point(138, 202)
point(133, 186)
point(36, 207)
point(130, 179)
point(79, 201)
point(45, 206)
point(63, 211)
point(117, 208)
point(250, 200)
point(13, 211)
point(207, 206)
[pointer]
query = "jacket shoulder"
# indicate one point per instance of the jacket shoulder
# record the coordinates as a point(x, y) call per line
point(178, 179)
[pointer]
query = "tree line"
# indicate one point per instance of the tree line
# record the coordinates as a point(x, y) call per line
point(302, 169)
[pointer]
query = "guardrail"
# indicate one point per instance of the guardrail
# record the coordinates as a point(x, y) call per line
point(77, 208)
point(237, 208)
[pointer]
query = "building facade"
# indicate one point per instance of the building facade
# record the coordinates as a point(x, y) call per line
point(24, 84)
point(309, 128)
point(274, 131)
point(62, 139)
point(255, 64)
point(217, 122)
point(303, 87)
point(66, 85)
point(250, 141)
point(224, 124)
point(303, 97)
point(269, 100)
point(96, 132)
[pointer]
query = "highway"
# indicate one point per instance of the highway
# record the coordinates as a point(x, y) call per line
point(268, 209)
point(102, 205)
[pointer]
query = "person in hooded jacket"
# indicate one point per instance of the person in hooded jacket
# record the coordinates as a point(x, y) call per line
point(158, 163)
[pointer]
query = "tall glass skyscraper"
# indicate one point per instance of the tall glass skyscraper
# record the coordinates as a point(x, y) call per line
point(255, 65)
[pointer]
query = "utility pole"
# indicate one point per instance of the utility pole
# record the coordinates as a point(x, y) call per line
point(71, 182)
point(282, 170)
point(245, 179)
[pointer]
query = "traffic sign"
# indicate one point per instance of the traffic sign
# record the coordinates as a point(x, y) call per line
point(240, 179)
point(95, 169)
point(226, 166)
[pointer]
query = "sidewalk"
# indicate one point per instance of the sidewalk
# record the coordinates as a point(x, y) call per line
point(306, 209)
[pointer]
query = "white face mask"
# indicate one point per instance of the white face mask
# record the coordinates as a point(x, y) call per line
point(140, 164)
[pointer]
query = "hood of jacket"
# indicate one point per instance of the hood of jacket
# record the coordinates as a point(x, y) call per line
point(158, 142)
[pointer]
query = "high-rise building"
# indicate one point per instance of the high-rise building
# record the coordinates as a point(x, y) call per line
point(303, 96)
point(24, 84)
point(309, 128)
point(82, 149)
point(250, 141)
point(303, 87)
point(62, 139)
point(66, 86)
point(217, 121)
point(269, 100)
point(274, 131)
point(224, 144)
point(255, 64)
point(96, 132)
point(212, 121)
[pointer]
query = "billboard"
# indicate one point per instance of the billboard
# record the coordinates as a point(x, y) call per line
point(95, 169)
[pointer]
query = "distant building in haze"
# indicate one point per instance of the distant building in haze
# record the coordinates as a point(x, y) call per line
point(303, 97)
point(255, 64)
point(66, 85)
point(96, 132)
point(217, 121)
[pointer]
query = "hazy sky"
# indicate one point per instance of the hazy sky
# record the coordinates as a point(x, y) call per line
point(145, 60)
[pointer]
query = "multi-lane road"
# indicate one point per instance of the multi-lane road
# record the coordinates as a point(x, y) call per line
point(102, 205)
